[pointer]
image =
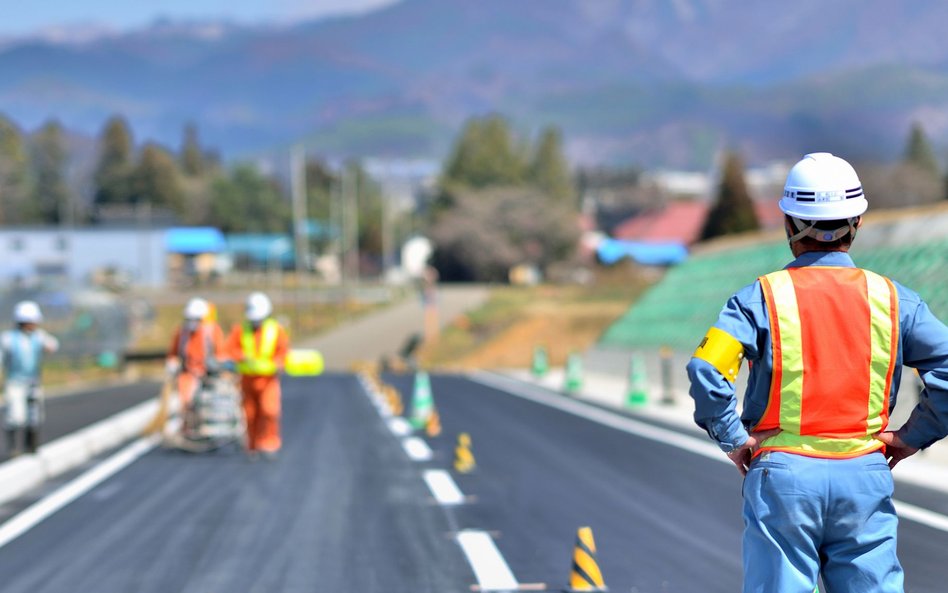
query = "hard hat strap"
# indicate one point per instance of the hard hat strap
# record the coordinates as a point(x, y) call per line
point(807, 228)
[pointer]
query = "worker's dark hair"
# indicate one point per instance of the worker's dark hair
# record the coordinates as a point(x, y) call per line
point(812, 244)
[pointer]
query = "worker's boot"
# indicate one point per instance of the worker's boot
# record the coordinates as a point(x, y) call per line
point(13, 444)
point(31, 439)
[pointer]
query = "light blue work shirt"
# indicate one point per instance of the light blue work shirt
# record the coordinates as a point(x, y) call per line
point(22, 353)
point(923, 345)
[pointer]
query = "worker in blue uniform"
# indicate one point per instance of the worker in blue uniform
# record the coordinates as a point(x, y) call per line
point(825, 344)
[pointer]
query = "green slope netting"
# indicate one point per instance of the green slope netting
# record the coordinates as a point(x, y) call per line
point(678, 311)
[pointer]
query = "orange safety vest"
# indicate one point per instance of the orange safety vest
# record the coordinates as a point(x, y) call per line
point(834, 334)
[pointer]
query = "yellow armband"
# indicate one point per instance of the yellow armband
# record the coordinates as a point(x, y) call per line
point(722, 351)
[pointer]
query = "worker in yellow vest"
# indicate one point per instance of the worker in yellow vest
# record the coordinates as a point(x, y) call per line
point(259, 347)
point(825, 342)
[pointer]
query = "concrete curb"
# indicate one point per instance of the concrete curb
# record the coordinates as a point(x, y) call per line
point(19, 476)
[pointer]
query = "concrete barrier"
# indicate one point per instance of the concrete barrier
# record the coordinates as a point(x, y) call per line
point(19, 476)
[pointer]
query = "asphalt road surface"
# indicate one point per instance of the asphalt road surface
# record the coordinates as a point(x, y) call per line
point(345, 509)
point(68, 413)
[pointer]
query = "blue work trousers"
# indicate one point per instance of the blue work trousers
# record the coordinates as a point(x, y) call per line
point(806, 517)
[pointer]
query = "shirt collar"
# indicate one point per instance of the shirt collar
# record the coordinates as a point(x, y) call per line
point(838, 259)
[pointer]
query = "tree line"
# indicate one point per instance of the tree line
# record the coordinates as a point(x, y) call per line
point(42, 182)
point(503, 201)
point(916, 179)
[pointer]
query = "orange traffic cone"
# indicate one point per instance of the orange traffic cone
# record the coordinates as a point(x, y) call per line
point(585, 575)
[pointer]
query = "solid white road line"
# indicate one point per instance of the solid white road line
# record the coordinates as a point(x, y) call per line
point(924, 516)
point(37, 512)
point(604, 417)
point(662, 435)
point(489, 566)
point(442, 487)
point(417, 449)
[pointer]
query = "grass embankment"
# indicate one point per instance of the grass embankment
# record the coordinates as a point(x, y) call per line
point(504, 332)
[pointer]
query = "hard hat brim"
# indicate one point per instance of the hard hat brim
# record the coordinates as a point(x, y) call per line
point(849, 208)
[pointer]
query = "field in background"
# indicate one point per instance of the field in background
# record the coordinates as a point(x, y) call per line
point(563, 318)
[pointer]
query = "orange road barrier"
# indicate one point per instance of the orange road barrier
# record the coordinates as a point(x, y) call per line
point(433, 426)
point(394, 398)
point(463, 457)
point(585, 575)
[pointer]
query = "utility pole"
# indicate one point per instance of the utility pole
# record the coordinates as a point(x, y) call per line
point(298, 189)
point(354, 221)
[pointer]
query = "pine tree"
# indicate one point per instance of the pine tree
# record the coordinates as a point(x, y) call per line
point(549, 170)
point(155, 180)
point(113, 172)
point(51, 192)
point(919, 153)
point(246, 201)
point(15, 204)
point(191, 156)
point(484, 156)
point(733, 212)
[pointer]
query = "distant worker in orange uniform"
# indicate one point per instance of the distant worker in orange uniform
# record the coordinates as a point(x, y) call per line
point(197, 349)
point(259, 346)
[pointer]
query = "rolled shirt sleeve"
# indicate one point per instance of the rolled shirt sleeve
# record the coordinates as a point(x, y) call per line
point(714, 395)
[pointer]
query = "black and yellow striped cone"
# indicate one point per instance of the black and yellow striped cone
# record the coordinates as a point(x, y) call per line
point(463, 457)
point(585, 575)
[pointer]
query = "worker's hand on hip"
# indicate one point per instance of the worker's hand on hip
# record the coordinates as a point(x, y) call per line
point(741, 456)
point(895, 448)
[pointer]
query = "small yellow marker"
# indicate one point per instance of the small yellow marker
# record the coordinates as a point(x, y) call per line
point(463, 457)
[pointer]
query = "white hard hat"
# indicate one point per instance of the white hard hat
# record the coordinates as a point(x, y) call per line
point(823, 187)
point(196, 309)
point(258, 306)
point(27, 312)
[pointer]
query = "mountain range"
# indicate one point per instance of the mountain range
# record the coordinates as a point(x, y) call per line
point(651, 82)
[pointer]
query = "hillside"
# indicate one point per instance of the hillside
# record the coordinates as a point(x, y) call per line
point(649, 81)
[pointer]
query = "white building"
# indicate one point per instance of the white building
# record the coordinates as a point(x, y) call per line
point(78, 254)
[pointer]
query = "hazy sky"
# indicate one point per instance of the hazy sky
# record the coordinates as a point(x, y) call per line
point(24, 17)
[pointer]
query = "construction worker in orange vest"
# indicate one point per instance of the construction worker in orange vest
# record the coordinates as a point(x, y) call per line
point(259, 346)
point(197, 348)
point(825, 342)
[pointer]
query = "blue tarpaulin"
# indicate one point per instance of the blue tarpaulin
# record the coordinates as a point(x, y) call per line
point(194, 240)
point(262, 248)
point(610, 251)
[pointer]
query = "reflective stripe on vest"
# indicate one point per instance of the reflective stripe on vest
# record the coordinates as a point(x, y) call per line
point(258, 362)
point(834, 334)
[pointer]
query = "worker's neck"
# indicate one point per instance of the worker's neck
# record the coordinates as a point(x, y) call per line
point(798, 248)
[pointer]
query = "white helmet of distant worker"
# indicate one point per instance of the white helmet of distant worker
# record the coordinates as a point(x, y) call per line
point(823, 187)
point(27, 312)
point(258, 307)
point(196, 309)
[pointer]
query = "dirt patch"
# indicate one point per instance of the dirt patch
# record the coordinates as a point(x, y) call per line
point(560, 330)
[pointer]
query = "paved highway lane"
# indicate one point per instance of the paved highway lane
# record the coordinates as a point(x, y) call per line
point(69, 413)
point(664, 519)
point(342, 509)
